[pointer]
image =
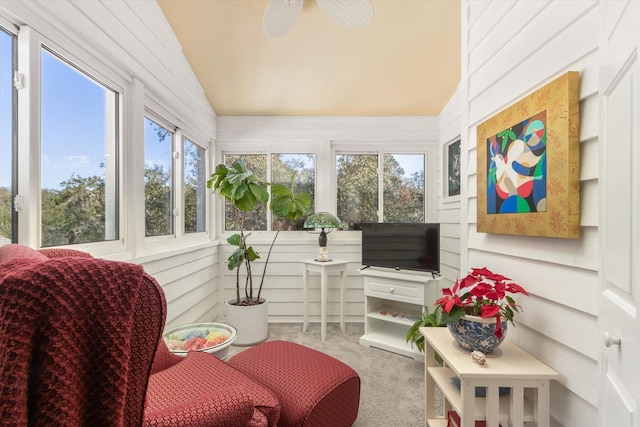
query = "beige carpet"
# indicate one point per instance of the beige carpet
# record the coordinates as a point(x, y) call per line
point(392, 386)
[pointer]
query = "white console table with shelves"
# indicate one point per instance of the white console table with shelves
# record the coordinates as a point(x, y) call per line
point(528, 380)
point(393, 302)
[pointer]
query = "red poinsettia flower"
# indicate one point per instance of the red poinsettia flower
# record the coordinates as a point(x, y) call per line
point(485, 294)
point(450, 298)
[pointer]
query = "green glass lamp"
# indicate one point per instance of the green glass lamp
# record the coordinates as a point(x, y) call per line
point(325, 222)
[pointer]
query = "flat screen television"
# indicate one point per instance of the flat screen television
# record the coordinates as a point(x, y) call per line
point(402, 246)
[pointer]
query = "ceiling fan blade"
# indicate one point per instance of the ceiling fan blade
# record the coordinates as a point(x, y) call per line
point(280, 16)
point(350, 13)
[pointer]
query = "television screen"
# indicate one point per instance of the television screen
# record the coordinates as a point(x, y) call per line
point(402, 246)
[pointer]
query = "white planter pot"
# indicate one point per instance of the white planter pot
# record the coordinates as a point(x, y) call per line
point(251, 322)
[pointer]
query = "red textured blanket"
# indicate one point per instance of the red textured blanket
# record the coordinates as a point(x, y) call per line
point(66, 333)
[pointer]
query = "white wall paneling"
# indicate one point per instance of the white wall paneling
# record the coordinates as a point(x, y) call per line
point(188, 279)
point(448, 208)
point(283, 282)
point(503, 64)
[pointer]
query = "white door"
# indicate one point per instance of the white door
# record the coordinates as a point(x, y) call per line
point(619, 276)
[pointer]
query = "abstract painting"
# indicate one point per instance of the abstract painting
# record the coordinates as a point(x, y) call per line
point(528, 176)
point(517, 172)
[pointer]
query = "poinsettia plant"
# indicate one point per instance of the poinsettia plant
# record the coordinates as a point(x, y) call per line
point(481, 293)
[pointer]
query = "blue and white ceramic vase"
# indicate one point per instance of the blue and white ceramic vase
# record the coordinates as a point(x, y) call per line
point(477, 333)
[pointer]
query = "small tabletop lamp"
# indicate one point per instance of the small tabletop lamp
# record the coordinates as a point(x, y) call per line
point(323, 221)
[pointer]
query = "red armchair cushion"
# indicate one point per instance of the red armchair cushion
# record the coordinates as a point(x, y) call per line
point(203, 377)
point(64, 253)
point(16, 251)
point(164, 358)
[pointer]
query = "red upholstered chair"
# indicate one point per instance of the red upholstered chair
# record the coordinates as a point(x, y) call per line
point(77, 339)
point(80, 344)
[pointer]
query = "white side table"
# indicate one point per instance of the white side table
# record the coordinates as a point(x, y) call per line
point(527, 378)
point(324, 268)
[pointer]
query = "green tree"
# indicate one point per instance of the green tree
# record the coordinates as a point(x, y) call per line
point(75, 213)
point(195, 183)
point(403, 198)
point(357, 189)
point(302, 167)
point(157, 201)
point(5, 213)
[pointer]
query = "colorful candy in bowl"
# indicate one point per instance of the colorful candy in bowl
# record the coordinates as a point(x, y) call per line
point(214, 338)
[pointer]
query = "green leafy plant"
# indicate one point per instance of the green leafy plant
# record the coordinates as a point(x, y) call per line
point(240, 187)
point(433, 319)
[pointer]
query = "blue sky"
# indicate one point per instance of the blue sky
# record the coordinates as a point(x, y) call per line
point(410, 163)
point(5, 109)
point(73, 125)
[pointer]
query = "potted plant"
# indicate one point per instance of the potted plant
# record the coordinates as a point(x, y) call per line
point(478, 317)
point(476, 311)
point(240, 187)
point(433, 319)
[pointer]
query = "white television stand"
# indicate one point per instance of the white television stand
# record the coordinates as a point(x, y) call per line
point(394, 300)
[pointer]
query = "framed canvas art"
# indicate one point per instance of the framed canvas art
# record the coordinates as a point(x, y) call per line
point(528, 165)
point(451, 167)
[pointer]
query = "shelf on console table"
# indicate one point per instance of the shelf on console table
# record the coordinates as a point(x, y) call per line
point(512, 367)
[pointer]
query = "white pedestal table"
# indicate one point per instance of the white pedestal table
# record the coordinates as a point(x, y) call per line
point(325, 269)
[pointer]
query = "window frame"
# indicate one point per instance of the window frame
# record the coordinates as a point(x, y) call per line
point(160, 120)
point(207, 161)
point(380, 148)
point(325, 176)
point(12, 31)
point(134, 91)
point(158, 114)
point(112, 129)
point(30, 45)
point(240, 148)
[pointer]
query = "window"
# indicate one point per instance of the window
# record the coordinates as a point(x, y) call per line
point(357, 178)
point(256, 219)
point(280, 167)
point(283, 166)
point(360, 179)
point(158, 179)
point(8, 217)
point(403, 197)
point(79, 128)
point(62, 149)
point(195, 187)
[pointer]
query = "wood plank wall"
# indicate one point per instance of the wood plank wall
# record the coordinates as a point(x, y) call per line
point(510, 49)
point(448, 207)
point(283, 282)
point(189, 279)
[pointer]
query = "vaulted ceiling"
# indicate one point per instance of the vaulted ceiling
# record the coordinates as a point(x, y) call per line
point(406, 63)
